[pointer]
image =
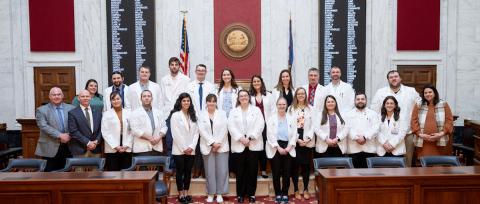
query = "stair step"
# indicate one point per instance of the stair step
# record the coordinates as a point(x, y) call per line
point(264, 186)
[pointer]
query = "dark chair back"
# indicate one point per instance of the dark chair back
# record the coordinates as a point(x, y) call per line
point(154, 163)
point(85, 163)
point(333, 162)
point(28, 165)
point(386, 162)
point(439, 161)
point(150, 163)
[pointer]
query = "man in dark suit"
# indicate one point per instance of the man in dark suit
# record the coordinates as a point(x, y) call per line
point(52, 121)
point(84, 125)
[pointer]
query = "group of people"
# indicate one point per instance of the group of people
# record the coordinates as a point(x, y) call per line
point(229, 129)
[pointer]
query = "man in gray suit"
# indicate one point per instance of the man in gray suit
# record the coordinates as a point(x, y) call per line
point(52, 121)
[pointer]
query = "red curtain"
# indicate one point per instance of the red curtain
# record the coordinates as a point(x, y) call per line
point(418, 25)
point(52, 25)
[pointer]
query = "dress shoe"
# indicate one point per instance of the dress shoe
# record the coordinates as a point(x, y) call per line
point(251, 199)
point(306, 195)
point(240, 199)
point(188, 199)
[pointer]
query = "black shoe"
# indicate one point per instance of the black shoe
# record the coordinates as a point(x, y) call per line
point(285, 199)
point(278, 199)
point(251, 199)
point(181, 199)
point(188, 199)
point(264, 176)
point(240, 199)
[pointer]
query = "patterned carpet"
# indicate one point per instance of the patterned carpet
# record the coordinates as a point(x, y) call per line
point(260, 200)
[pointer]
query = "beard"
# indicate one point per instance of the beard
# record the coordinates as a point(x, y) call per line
point(393, 86)
point(360, 106)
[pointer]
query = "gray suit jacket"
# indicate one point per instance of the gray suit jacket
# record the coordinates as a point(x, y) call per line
point(48, 142)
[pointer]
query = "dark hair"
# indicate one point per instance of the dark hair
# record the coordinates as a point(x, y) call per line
point(112, 95)
point(173, 59)
point(88, 82)
point(200, 65)
point(360, 93)
point(145, 67)
point(396, 110)
point(325, 111)
point(295, 99)
point(146, 90)
point(252, 90)
point(436, 98)
point(178, 107)
point(335, 67)
point(117, 72)
point(391, 72)
point(210, 97)
point(222, 83)
point(238, 97)
point(279, 85)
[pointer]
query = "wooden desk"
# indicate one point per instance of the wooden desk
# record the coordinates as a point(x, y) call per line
point(30, 134)
point(475, 125)
point(78, 187)
point(431, 185)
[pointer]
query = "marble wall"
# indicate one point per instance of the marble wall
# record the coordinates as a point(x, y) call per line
point(457, 60)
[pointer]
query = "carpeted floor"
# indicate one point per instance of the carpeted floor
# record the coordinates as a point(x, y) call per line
point(260, 200)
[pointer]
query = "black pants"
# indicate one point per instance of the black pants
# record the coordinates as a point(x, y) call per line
point(183, 176)
point(331, 152)
point(359, 160)
point(149, 153)
point(301, 164)
point(263, 156)
point(281, 166)
point(118, 161)
point(198, 162)
point(389, 154)
point(232, 164)
point(247, 169)
point(59, 160)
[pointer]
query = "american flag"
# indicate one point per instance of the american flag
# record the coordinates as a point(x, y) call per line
point(184, 51)
point(290, 45)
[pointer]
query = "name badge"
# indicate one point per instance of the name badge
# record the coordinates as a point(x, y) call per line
point(395, 131)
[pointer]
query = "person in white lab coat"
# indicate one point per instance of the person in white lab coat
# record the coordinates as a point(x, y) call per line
point(280, 148)
point(120, 87)
point(213, 129)
point(148, 128)
point(363, 129)
point(343, 92)
point(316, 93)
point(284, 88)
point(331, 131)
point(303, 114)
point(183, 121)
point(263, 100)
point(246, 124)
point(117, 134)
point(135, 90)
point(390, 139)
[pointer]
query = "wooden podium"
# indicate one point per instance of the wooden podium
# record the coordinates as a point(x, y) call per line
point(30, 134)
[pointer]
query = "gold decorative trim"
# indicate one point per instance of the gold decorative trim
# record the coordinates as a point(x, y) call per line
point(237, 41)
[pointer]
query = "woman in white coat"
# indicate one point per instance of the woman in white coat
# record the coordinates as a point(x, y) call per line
point(212, 126)
point(246, 125)
point(331, 130)
point(284, 87)
point(302, 112)
point(262, 100)
point(117, 135)
point(280, 148)
point(390, 140)
point(184, 126)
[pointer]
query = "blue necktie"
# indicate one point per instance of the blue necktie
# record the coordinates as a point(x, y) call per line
point(60, 118)
point(200, 93)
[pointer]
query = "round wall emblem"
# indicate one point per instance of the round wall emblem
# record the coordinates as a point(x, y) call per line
point(237, 41)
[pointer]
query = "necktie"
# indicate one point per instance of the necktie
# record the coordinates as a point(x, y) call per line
point(311, 96)
point(87, 116)
point(200, 93)
point(60, 119)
